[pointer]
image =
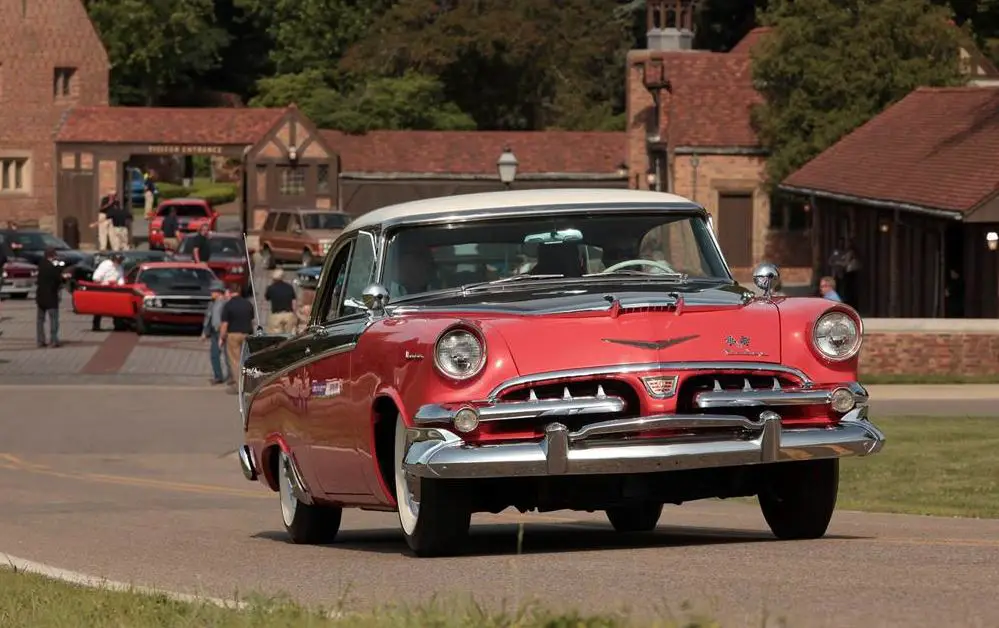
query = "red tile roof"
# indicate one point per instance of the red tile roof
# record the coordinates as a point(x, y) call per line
point(168, 125)
point(712, 98)
point(936, 148)
point(752, 38)
point(476, 152)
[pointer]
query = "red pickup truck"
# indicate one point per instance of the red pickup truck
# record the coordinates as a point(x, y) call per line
point(191, 214)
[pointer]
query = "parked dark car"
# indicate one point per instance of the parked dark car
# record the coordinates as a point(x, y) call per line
point(84, 271)
point(308, 278)
point(30, 244)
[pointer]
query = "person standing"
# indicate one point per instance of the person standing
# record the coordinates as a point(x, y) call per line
point(149, 193)
point(120, 219)
point(169, 227)
point(210, 332)
point(108, 272)
point(281, 295)
point(47, 298)
point(237, 323)
point(103, 223)
point(202, 245)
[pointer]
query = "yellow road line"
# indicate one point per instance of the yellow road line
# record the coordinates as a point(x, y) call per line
point(9, 461)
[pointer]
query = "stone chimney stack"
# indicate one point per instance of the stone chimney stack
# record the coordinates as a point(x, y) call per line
point(670, 24)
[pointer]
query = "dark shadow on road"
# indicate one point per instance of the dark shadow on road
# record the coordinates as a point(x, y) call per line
point(544, 538)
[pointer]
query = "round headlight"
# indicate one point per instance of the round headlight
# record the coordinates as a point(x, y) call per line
point(836, 336)
point(460, 354)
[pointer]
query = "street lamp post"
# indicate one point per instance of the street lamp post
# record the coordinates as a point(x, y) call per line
point(507, 167)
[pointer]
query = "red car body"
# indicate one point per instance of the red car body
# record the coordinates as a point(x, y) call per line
point(192, 213)
point(590, 391)
point(230, 260)
point(20, 278)
point(139, 301)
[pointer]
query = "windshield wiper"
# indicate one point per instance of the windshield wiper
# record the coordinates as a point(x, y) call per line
point(510, 279)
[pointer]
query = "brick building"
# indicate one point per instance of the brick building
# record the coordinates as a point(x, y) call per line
point(384, 167)
point(689, 133)
point(51, 60)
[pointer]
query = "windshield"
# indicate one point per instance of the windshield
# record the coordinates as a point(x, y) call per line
point(174, 276)
point(219, 246)
point(660, 245)
point(37, 241)
point(331, 220)
point(184, 210)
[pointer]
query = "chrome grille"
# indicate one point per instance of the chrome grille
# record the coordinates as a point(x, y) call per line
point(186, 304)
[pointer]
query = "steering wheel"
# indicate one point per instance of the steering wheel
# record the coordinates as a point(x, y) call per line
point(662, 266)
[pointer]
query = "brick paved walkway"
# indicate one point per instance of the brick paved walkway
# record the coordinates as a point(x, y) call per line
point(106, 357)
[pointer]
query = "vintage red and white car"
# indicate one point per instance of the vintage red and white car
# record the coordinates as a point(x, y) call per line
point(543, 350)
point(151, 293)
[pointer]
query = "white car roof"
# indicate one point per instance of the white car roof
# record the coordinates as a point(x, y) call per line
point(537, 199)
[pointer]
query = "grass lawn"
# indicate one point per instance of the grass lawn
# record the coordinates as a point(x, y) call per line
point(929, 466)
point(32, 601)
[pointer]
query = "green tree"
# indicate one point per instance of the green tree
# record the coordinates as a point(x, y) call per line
point(156, 45)
point(831, 65)
point(511, 64)
point(412, 101)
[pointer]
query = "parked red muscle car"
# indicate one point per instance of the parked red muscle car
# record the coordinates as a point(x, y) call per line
point(152, 293)
point(20, 279)
point(191, 214)
point(556, 349)
point(230, 260)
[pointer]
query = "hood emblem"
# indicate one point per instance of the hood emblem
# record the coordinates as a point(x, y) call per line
point(652, 344)
point(740, 346)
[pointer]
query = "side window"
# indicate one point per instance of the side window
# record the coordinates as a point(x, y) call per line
point(132, 276)
point(331, 289)
point(362, 269)
point(294, 223)
point(282, 222)
point(269, 222)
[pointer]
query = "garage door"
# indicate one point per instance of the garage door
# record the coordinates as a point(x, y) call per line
point(735, 228)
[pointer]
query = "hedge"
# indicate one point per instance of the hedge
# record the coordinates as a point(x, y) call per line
point(214, 193)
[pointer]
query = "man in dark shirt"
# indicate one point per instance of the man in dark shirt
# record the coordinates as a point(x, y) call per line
point(202, 246)
point(281, 295)
point(47, 298)
point(120, 218)
point(169, 228)
point(237, 324)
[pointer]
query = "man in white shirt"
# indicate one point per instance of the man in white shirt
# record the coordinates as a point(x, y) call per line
point(108, 272)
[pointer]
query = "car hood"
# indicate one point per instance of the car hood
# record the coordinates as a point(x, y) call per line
point(568, 330)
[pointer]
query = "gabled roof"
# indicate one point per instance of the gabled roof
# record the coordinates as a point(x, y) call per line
point(476, 152)
point(167, 125)
point(937, 148)
point(711, 101)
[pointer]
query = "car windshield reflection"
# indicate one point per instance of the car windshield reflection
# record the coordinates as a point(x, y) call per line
point(646, 246)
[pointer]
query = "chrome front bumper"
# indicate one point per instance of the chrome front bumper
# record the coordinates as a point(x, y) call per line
point(434, 452)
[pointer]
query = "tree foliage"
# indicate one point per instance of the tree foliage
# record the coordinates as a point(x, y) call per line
point(155, 45)
point(831, 65)
point(511, 64)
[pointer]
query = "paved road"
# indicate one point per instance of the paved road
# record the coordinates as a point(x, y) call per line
point(142, 488)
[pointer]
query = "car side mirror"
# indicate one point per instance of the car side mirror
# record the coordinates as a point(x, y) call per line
point(375, 297)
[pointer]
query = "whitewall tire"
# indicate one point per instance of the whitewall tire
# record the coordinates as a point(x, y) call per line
point(433, 514)
point(308, 524)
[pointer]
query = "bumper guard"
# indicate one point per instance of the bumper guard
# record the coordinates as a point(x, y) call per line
point(434, 452)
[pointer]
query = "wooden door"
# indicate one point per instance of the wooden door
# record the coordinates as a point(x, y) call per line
point(735, 228)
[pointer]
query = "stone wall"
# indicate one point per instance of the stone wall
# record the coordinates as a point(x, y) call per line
point(914, 346)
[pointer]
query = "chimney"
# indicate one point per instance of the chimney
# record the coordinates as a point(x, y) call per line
point(670, 24)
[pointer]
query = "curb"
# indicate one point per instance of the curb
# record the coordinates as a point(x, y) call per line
point(933, 392)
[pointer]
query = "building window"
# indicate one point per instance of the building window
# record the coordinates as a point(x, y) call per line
point(323, 179)
point(292, 181)
point(13, 174)
point(62, 82)
point(789, 214)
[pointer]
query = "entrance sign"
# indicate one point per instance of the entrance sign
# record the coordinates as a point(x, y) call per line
point(184, 149)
